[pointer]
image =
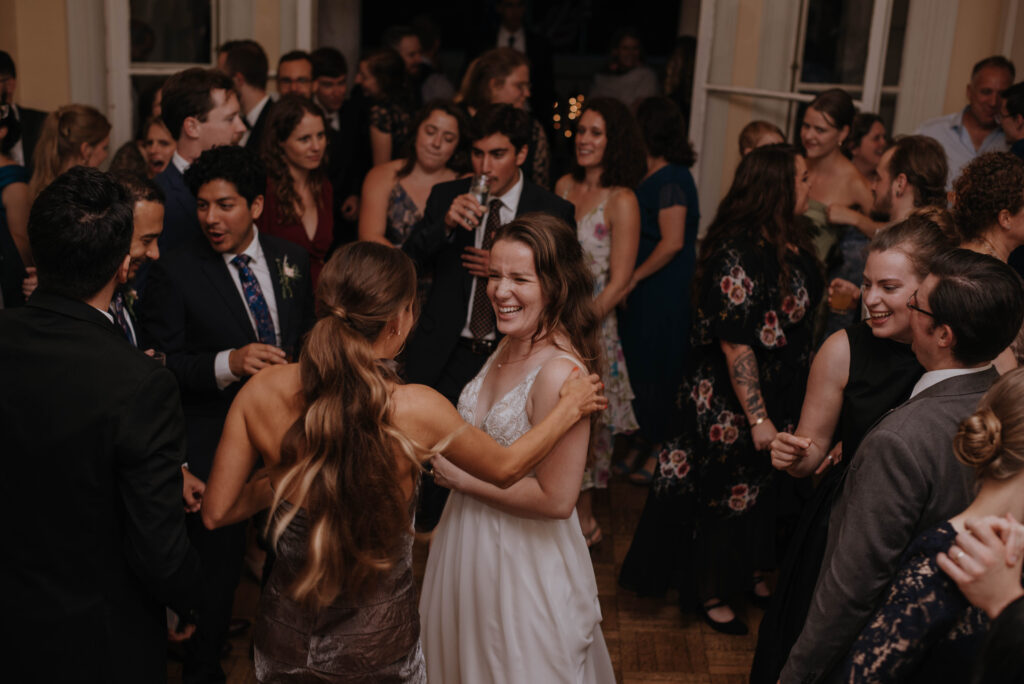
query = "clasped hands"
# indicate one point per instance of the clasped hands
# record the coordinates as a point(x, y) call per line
point(985, 562)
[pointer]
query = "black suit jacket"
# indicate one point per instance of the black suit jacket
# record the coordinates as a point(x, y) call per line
point(181, 222)
point(436, 251)
point(903, 480)
point(255, 140)
point(95, 545)
point(191, 310)
point(31, 122)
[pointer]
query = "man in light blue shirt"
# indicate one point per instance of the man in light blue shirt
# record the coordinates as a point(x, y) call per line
point(974, 130)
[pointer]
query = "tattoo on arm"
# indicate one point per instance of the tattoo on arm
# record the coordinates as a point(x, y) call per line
point(745, 375)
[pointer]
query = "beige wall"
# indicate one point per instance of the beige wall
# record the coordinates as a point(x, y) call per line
point(980, 27)
point(35, 33)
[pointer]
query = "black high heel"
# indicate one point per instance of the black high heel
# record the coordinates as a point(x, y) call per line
point(734, 627)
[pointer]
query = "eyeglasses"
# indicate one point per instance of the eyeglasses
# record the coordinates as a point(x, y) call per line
point(912, 304)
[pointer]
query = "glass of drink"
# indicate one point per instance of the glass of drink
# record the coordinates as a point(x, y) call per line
point(480, 188)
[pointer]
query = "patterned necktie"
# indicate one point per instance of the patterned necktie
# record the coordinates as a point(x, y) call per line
point(254, 298)
point(120, 314)
point(481, 322)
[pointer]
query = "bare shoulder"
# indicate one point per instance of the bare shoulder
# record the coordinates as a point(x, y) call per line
point(411, 404)
point(553, 374)
point(834, 355)
point(270, 387)
point(384, 174)
point(563, 184)
point(622, 200)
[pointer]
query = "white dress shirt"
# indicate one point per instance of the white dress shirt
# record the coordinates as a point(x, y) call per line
point(17, 152)
point(934, 377)
point(509, 205)
point(180, 163)
point(261, 270)
point(518, 41)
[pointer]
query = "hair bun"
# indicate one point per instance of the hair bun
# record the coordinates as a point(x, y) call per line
point(979, 439)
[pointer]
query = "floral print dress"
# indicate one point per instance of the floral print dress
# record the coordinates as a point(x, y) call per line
point(596, 239)
point(711, 486)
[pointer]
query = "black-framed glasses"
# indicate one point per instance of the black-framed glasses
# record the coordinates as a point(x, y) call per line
point(912, 304)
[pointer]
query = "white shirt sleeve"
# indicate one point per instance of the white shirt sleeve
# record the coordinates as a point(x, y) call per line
point(222, 369)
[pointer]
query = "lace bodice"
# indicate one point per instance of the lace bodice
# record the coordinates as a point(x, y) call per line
point(506, 420)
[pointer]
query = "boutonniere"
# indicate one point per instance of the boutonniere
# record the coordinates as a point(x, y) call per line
point(287, 273)
point(131, 295)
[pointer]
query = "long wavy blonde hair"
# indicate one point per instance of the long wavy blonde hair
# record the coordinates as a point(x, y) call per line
point(339, 456)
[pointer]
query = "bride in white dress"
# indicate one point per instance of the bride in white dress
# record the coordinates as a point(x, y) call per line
point(509, 594)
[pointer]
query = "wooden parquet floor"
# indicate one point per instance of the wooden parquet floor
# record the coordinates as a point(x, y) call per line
point(651, 641)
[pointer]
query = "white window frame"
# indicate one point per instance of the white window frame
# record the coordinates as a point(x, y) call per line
point(120, 68)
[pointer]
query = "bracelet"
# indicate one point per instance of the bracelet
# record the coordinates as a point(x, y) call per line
point(758, 421)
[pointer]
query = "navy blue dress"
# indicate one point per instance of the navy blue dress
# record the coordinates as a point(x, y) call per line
point(655, 326)
point(12, 270)
point(926, 631)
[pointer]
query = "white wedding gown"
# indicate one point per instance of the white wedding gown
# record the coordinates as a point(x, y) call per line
point(509, 600)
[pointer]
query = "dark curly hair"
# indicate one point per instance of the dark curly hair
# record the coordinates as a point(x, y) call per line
point(459, 161)
point(237, 165)
point(664, 130)
point(284, 117)
point(988, 184)
point(623, 163)
point(762, 198)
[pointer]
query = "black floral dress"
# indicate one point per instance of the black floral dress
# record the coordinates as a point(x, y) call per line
point(926, 631)
point(712, 503)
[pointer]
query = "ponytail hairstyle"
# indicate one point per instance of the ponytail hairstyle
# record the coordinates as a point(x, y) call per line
point(60, 142)
point(992, 439)
point(338, 457)
point(285, 117)
point(922, 237)
point(492, 66)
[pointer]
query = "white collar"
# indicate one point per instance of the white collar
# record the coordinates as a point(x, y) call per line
point(932, 378)
point(511, 198)
point(504, 33)
point(253, 115)
point(180, 163)
point(253, 251)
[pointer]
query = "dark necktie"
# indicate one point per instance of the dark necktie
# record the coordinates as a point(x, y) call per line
point(512, 40)
point(481, 322)
point(120, 314)
point(254, 298)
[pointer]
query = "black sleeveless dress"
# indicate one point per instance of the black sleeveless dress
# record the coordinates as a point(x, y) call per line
point(882, 375)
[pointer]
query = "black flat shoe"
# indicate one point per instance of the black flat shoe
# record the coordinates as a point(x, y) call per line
point(734, 627)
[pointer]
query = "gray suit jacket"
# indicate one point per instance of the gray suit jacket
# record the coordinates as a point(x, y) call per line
point(903, 480)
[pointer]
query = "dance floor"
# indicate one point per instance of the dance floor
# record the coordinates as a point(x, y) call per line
point(650, 639)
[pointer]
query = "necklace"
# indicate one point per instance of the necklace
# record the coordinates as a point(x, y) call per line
point(506, 362)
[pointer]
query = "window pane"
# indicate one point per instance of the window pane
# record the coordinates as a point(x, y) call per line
point(894, 48)
point(176, 31)
point(836, 41)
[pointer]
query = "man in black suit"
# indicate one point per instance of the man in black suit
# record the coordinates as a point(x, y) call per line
point(904, 478)
point(95, 439)
point(456, 331)
point(348, 147)
point(221, 309)
point(201, 110)
point(30, 120)
point(245, 62)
